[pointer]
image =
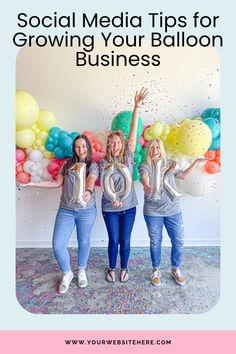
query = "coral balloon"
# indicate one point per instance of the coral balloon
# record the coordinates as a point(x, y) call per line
point(46, 120)
point(25, 138)
point(23, 177)
point(212, 167)
point(193, 138)
point(89, 135)
point(27, 110)
point(217, 159)
point(20, 155)
point(210, 155)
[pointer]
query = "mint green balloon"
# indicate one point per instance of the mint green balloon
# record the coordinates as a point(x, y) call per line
point(122, 121)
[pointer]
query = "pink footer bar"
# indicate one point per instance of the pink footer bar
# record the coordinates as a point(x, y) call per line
point(191, 342)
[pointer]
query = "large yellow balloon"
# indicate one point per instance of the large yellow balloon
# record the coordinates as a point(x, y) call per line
point(170, 141)
point(193, 138)
point(27, 110)
point(25, 138)
point(46, 120)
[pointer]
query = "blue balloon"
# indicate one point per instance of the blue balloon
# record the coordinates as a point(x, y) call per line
point(59, 153)
point(214, 126)
point(216, 114)
point(207, 113)
point(215, 144)
point(63, 133)
point(73, 135)
point(54, 135)
point(50, 140)
point(55, 142)
point(54, 130)
point(49, 146)
point(69, 152)
point(65, 142)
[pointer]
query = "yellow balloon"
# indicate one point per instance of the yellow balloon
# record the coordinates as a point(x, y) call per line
point(46, 120)
point(148, 134)
point(193, 138)
point(170, 142)
point(157, 129)
point(42, 136)
point(25, 138)
point(27, 110)
point(48, 155)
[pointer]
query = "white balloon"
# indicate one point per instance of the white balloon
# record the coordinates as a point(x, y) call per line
point(198, 183)
point(33, 167)
point(27, 166)
point(36, 155)
point(35, 179)
point(45, 162)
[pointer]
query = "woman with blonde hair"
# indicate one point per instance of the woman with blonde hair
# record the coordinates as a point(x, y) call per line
point(163, 211)
point(119, 216)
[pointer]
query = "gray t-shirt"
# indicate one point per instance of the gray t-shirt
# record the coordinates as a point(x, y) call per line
point(68, 197)
point(165, 206)
point(131, 201)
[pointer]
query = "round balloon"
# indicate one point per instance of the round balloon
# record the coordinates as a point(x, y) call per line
point(214, 126)
point(215, 144)
point(46, 119)
point(20, 155)
point(25, 138)
point(122, 121)
point(193, 138)
point(27, 110)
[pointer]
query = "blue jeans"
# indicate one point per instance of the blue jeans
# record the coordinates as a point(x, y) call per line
point(65, 222)
point(119, 227)
point(175, 229)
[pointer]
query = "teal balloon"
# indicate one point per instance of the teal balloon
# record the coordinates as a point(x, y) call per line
point(122, 121)
point(69, 152)
point(216, 114)
point(55, 142)
point(54, 130)
point(62, 134)
point(214, 126)
point(49, 146)
point(49, 140)
point(143, 154)
point(73, 135)
point(138, 147)
point(136, 176)
point(54, 135)
point(59, 153)
point(207, 113)
point(65, 142)
point(215, 144)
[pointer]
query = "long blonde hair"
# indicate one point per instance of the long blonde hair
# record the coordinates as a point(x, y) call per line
point(109, 156)
point(162, 149)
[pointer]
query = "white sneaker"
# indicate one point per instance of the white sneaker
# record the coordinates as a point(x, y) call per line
point(176, 274)
point(82, 279)
point(65, 283)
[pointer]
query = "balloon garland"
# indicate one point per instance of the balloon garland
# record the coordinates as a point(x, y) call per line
point(43, 147)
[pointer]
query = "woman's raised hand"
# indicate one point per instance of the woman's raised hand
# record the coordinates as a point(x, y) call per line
point(139, 97)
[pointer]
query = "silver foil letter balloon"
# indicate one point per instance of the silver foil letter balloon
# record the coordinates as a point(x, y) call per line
point(80, 183)
point(107, 182)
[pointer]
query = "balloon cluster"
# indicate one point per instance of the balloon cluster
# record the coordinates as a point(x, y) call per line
point(98, 147)
point(60, 142)
point(213, 165)
point(21, 176)
point(122, 121)
point(36, 166)
point(157, 130)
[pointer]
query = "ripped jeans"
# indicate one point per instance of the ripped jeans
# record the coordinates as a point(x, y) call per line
point(175, 230)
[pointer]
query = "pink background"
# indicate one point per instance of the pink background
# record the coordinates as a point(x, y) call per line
point(191, 342)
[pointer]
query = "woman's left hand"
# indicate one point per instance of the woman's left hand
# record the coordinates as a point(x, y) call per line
point(139, 97)
point(87, 196)
point(201, 159)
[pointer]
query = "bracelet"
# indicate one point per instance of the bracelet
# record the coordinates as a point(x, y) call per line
point(90, 191)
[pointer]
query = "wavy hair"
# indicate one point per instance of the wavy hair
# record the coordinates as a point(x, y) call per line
point(109, 156)
point(75, 158)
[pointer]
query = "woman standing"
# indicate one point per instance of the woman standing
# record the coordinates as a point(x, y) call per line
point(73, 212)
point(119, 216)
point(164, 211)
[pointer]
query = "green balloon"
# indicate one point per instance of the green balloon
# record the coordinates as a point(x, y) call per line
point(122, 121)
point(138, 148)
point(143, 154)
point(136, 175)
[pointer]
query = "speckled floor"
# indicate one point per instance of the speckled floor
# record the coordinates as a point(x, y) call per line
point(38, 277)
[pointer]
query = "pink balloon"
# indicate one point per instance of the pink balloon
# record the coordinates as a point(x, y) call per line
point(141, 140)
point(23, 177)
point(89, 135)
point(145, 144)
point(97, 146)
point(20, 155)
point(52, 166)
point(97, 156)
point(19, 169)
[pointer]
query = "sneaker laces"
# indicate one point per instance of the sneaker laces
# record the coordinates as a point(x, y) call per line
point(156, 273)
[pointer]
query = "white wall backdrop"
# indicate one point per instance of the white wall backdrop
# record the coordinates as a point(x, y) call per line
point(86, 98)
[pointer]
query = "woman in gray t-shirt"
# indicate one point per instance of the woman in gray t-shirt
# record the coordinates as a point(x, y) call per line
point(74, 211)
point(164, 210)
point(119, 216)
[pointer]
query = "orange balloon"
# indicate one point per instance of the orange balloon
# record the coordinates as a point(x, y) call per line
point(217, 152)
point(210, 155)
point(212, 167)
point(217, 159)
